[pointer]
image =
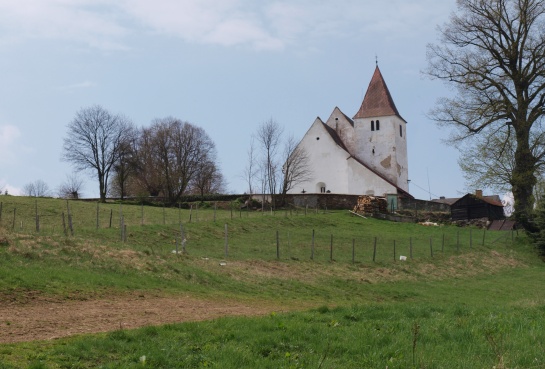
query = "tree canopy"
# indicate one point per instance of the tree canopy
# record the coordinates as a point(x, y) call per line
point(492, 52)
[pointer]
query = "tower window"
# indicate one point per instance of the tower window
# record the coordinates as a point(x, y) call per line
point(378, 125)
point(372, 125)
point(400, 130)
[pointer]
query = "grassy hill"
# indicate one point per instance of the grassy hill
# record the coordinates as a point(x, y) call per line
point(466, 298)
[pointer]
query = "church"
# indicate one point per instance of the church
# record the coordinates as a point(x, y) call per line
point(363, 155)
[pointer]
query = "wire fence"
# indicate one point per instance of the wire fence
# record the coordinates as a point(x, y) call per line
point(228, 237)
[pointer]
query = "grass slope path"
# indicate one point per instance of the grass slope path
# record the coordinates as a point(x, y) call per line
point(45, 320)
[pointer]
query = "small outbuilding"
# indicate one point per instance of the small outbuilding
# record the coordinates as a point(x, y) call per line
point(475, 206)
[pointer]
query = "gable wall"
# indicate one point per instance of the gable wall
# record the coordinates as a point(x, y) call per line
point(328, 162)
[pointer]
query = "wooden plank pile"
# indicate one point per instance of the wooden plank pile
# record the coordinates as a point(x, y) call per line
point(371, 205)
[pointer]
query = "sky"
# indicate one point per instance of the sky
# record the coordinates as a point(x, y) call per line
point(224, 65)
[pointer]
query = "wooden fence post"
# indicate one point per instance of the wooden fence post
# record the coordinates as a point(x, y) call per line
point(14, 213)
point(484, 235)
point(111, 216)
point(277, 246)
point(182, 239)
point(375, 250)
point(353, 250)
point(226, 242)
point(331, 249)
point(312, 247)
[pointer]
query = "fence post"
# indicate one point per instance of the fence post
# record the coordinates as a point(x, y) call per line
point(37, 218)
point(14, 213)
point(226, 242)
point(182, 239)
point(190, 212)
point(375, 249)
point(312, 247)
point(121, 227)
point(111, 216)
point(484, 235)
point(331, 249)
point(277, 246)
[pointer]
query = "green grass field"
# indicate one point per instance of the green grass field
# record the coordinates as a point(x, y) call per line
point(466, 299)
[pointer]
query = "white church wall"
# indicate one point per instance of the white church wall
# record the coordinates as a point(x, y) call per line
point(328, 162)
point(381, 149)
point(362, 181)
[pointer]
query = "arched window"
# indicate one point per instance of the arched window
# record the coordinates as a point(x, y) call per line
point(378, 125)
point(400, 130)
point(372, 125)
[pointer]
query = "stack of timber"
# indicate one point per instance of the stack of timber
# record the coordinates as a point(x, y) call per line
point(371, 205)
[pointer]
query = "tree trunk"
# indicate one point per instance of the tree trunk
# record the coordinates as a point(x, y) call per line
point(524, 181)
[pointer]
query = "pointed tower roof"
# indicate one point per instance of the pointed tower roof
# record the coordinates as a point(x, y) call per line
point(377, 101)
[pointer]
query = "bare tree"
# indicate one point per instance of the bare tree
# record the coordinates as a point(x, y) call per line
point(296, 168)
point(71, 187)
point(250, 171)
point(148, 176)
point(94, 142)
point(170, 154)
point(37, 188)
point(124, 167)
point(208, 179)
point(493, 53)
point(268, 137)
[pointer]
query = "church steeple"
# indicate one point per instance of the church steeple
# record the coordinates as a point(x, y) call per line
point(377, 101)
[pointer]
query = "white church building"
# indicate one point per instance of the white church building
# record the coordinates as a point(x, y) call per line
point(365, 155)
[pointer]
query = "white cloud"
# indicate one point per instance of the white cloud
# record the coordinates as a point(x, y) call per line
point(263, 25)
point(8, 137)
point(94, 22)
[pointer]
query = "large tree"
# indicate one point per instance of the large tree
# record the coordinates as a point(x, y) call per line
point(94, 141)
point(493, 53)
point(170, 155)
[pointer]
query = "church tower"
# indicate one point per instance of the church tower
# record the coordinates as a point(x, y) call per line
point(380, 136)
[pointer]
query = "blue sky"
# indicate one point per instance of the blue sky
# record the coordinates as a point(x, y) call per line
point(225, 65)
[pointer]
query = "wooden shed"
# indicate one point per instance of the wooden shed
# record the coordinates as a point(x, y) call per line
point(477, 206)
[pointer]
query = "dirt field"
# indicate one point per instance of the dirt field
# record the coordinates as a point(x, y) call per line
point(40, 319)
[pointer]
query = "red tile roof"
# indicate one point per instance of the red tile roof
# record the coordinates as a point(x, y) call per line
point(377, 101)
